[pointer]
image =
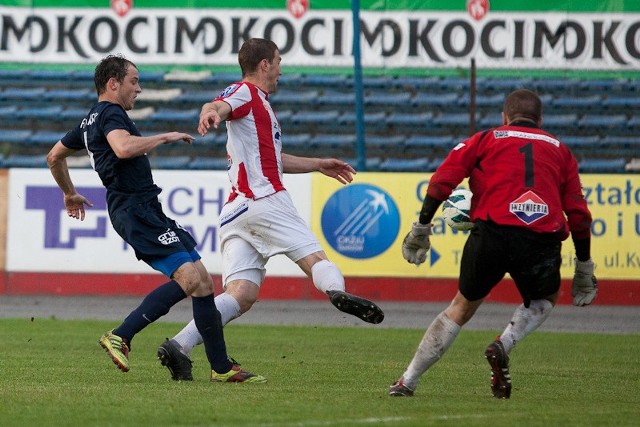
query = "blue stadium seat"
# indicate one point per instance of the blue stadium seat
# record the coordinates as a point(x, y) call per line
point(209, 163)
point(417, 83)
point(404, 165)
point(370, 119)
point(629, 141)
point(292, 98)
point(49, 75)
point(372, 164)
point(44, 137)
point(454, 84)
point(74, 113)
point(23, 94)
point(315, 117)
point(336, 99)
point(392, 142)
point(8, 113)
point(569, 104)
point(327, 81)
point(493, 102)
point(151, 76)
point(66, 95)
point(13, 136)
point(429, 142)
point(563, 121)
point(326, 140)
point(392, 99)
point(489, 120)
point(503, 85)
point(601, 121)
point(411, 120)
point(176, 115)
point(49, 113)
point(452, 120)
point(560, 85)
point(296, 140)
point(384, 82)
point(581, 142)
point(602, 165)
point(169, 162)
point(435, 163)
point(439, 100)
point(603, 86)
point(25, 161)
point(195, 97)
point(622, 102)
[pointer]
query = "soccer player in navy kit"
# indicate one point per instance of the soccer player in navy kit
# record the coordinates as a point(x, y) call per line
point(527, 199)
point(118, 154)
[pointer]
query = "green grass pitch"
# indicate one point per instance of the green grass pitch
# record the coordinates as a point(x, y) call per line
point(53, 373)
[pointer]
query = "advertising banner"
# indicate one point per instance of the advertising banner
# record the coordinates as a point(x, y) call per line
point(588, 36)
point(362, 226)
point(41, 237)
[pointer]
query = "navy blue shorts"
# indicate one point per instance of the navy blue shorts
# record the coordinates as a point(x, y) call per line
point(156, 239)
point(532, 259)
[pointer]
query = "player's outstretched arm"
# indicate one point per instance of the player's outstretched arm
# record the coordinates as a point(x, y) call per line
point(126, 146)
point(334, 168)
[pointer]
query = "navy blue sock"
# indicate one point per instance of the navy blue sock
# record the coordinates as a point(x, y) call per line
point(207, 319)
point(155, 305)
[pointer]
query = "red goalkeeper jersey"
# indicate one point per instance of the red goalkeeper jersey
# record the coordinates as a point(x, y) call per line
point(520, 176)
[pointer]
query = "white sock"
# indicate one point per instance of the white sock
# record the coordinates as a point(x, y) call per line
point(189, 336)
point(437, 339)
point(525, 321)
point(326, 276)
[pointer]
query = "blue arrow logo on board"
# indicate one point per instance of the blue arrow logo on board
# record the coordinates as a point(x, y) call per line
point(435, 256)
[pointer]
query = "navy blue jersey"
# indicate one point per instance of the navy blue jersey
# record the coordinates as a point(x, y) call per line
point(128, 181)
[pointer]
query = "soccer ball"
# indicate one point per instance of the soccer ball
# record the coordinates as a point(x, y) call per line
point(455, 210)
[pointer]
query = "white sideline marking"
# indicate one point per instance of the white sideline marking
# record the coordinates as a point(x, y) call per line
point(384, 420)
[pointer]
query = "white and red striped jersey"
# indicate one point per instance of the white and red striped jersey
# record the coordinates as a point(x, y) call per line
point(253, 142)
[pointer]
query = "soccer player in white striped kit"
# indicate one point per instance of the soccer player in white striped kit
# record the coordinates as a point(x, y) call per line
point(259, 219)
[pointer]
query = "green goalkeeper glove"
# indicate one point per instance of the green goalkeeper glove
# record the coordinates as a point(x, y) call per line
point(585, 285)
point(416, 243)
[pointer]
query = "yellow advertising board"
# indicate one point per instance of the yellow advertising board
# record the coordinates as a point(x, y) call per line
point(361, 226)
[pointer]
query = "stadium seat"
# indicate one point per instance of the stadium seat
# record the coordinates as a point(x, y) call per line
point(151, 76)
point(371, 164)
point(195, 97)
point(44, 137)
point(315, 117)
point(49, 75)
point(435, 100)
point(84, 96)
point(325, 140)
point(622, 102)
point(568, 104)
point(593, 165)
point(293, 99)
point(391, 143)
point(175, 115)
point(504, 85)
point(74, 113)
point(169, 162)
point(491, 102)
point(335, 99)
point(382, 83)
point(326, 81)
point(429, 142)
point(187, 76)
point(559, 121)
point(416, 83)
point(298, 140)
point(601, 121)
point(8, 113)
point(49, 113)
point(404, 165)
point(459, 120)
point(581, 142)
point(489, 120)
point(23, 94)
point(401, 120)
point(25, 161)
point(388, 99)
point(13, 136)
point(209, 163)
point(370, 119)
point(435, 163)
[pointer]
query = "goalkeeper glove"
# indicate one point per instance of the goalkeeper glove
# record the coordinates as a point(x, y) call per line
point(585, 284)
point(416, 243)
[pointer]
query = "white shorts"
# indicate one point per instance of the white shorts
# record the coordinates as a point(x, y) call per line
point(252, 231)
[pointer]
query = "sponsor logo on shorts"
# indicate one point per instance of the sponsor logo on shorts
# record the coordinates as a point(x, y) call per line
point(168, 237)
point(529, 207)
point(360, 221)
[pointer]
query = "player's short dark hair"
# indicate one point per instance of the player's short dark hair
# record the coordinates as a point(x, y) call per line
point(523, 104)
point(115, 66)
point(253, 51)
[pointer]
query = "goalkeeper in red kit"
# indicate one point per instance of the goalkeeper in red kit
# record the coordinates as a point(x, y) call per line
point(527, 199)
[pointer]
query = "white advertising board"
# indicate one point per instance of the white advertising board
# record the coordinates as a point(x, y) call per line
point(41, 237)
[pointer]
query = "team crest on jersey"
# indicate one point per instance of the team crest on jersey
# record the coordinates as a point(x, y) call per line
point(228, 91)
point(529, 207)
